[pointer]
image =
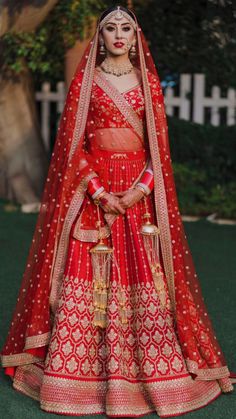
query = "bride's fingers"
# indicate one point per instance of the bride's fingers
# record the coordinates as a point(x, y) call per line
point(119, 208)
point(124, 205)
point(119, 193)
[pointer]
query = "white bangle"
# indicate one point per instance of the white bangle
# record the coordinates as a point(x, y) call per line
point(144, 188)
point(98, 191)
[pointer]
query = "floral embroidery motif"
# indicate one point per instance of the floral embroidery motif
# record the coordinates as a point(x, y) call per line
point(56, 363)
point(177, 364)
point(135, 349)
point(102, 107)
point(72, 365)
point(162, 366)
point(167, 350)
point(67, 348)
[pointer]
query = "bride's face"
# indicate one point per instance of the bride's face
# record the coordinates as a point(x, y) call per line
point(118, 36)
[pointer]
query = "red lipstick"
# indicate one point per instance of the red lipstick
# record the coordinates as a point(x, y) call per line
point(118, 44)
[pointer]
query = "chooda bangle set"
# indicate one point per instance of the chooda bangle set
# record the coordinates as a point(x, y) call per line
point(146, 182)
point(95, 188)
point(97, 191)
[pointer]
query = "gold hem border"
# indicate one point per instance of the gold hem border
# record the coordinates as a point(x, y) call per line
point(201, 393)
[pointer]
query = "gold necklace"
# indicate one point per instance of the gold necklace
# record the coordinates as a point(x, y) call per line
point(116, 69)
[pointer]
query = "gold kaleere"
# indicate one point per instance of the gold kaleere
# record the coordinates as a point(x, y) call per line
point(150, 233)
point(101, 265)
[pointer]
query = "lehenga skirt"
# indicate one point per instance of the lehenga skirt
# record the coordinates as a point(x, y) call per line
point(127, 368)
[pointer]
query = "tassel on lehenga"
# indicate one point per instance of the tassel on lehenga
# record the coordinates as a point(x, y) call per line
point(102, 256)
point(101, 265)
point(150, 233)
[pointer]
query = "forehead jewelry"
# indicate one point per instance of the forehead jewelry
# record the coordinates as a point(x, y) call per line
point(117, 14)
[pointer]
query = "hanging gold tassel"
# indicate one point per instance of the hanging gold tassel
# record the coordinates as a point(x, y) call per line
point(101, 264)
point(150, 233)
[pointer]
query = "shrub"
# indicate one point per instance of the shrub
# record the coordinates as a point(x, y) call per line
point(204, 163)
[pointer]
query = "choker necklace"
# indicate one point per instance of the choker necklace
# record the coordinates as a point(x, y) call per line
point(117, 69)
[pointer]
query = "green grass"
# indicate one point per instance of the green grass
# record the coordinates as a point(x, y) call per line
point(213, 248)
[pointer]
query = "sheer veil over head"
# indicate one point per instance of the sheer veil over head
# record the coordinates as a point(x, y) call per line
point(62, 199)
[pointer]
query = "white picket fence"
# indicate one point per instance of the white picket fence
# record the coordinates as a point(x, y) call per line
point(200, 102)
point(191, 86)
point(46, 97)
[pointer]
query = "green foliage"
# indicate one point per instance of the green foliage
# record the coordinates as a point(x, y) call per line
point(22, 48)
point(43, 50)
point(204, 162)
point(196, 36)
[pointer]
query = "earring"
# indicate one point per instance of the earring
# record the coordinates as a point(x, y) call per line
point(102, 48)
point(133, 51)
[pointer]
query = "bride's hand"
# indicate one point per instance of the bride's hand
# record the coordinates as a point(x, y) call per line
point(130, 197)
point(111, 204)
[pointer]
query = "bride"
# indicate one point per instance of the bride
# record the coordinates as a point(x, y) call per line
point(110, 317)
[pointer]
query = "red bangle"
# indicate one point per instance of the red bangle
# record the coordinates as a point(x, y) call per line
point(94, 187)
point(147, 180)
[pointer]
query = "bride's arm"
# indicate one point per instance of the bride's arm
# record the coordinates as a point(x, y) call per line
point(146, 182)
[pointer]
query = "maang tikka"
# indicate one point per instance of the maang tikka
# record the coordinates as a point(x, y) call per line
point(117, 14)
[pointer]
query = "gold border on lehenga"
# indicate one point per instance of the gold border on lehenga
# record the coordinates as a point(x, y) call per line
point(159, 186)
point(82, 387)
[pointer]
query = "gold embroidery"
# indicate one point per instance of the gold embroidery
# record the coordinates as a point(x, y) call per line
point(119, 156)
point(120, 102)
point(159, 187)
point(18, 359)
point(206, 373)
point(60, 258)
point(90, 235)
point(37, 341)
point(84, 97)
point(82, 391)
point(24, 386)
point(81, 119)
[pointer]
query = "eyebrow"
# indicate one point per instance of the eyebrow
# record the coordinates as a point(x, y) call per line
point(114, 24)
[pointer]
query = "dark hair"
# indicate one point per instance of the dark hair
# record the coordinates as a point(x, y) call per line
point(113, 8)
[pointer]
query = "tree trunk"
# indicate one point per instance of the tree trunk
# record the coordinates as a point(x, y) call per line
point(23, 160)
point(16, 16)
point(74, 55)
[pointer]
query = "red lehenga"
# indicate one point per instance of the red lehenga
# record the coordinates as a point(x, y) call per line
point(165, 357)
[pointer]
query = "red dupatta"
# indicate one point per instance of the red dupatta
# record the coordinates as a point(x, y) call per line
point(62, 199)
